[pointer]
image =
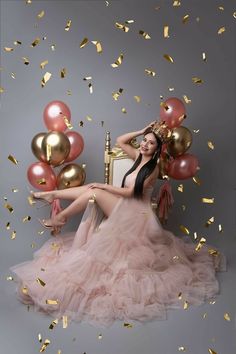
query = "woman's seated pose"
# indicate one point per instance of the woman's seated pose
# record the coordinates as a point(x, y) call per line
point(124, 266)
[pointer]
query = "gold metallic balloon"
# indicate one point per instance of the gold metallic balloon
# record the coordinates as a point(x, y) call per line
point(56, 147)
point(163, 165)
point(72, 175)
point(180, 141)
point(36, 147)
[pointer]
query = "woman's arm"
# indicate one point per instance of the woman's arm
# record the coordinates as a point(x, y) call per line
point(126, 192)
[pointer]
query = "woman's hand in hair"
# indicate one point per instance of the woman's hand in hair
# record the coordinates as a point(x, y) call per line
point(150, 125)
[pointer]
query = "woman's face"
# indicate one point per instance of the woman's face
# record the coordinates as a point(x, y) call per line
point(148, 145)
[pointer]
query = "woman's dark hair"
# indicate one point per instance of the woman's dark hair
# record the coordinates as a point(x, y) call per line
point(146, 170)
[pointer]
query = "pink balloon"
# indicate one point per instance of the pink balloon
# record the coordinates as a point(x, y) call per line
point(76, 145)
point(41, 171)
point(176, 110)
point(54, 116)
point(184, 166)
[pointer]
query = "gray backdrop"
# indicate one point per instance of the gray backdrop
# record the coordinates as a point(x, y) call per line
point(212, 111)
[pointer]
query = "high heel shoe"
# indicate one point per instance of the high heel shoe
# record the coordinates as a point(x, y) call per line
point(55, 226)
point(46, 199)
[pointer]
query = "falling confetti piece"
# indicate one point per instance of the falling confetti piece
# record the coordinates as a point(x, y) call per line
point(45, 79)
point(221, 8)
point(9, 207)
point(69, 92)
point(129, 21)
point(40, 338)
point(180, 296)
point(26, 218)
point(157, 8)
point(186, 99)
point(13, 75)
point(98, 46)
point(212, 302)
point(117, 94)
point(89, 118)
point(35, 42)
point(210, 221)
point(44, 346)
point(83, 43)
point(186, 305)
point(180, 188)
point(17, 42)
point(87, 78)
point(124, 110)
point(41, 14)
point(208, 200)
point(183, 207)
point(204, 57)
point(67, 122)
point(64, 321)
point(204, 315)
point(166, 32)
point(122, 27)
point(9, 278)
point(185, 19)
point(200, 243)
point(33, 245)
point(220, 228)
point(42, 65)
point(40, 281)
point(26, 60)
point(210, 145)
point(90, 87)
point(63, 73)
point(195, 235)
point(176, 3)
point(68, 25)
point(211, 351)
point(213, 252)
point(234, 14)
point(221, 30)
point(196, 131)
point(196, 80)
point(184, 229)
point(81, 123)
point(145, 35)
point(13, 235)
point(8, 225)
point(100, 336)
point(107, 3)
point(128, 325)
point(12, 159)
point(171, 89)
point(227, 317)
point(182, 349)
point(52, 302)
point(137, 98)
point(53, 46)
point(196, 180)
point(150, 72)
point(2, 90)
point(7, 49)
point(169, 58)
point(118, 61)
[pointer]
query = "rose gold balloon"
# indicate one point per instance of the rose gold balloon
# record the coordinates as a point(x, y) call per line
point(56, 147)
point(36, 146)
point(41, 176)
point(76, 145)
point(184, 166)
point(180, 142)
point(72, 175)
point(54, 115)
point(174, 115)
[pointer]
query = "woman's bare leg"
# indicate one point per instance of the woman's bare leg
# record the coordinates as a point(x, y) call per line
point(105, 200)
point(67, 193)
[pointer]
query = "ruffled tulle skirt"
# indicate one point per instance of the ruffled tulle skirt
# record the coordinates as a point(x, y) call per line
point(125, 267)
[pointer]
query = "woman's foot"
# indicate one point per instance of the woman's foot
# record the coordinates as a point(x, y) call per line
point(55, 224)
point(46, 196)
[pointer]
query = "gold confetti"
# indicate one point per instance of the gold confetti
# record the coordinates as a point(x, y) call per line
point(145, 35)
point(129, 21)
point(26, 218)
point(182, 349)
point(200, 243)
point(42, 65)
point(100, 336)
point(7, 49)
point(67, 122)
point(90, 88)
point(211, 351)
point(40, 232)
point(44, 346)
point(171, 89)
point(208, 200)
point(118, 61)
point(40, 281)
point(166, 32)
point(127, 325)
point(45, 79)
point(221, 30)
point(13, 75)
point(137, 98)
point(213, 252)
point(13, 235)
point(53, 46)
point(107, 3)
point(33, 245)
point(185, 18)
point(221, 8)
point(122, 27)
point(220, 228)
point(8, 225)
point(69, 92)
point(210, 221)
point(195, 235)
point(196, 80)
point(180, 296)
point(68, 25)
point(87, 78)
point(186, 99)
point(150, 72)
point(196, 180)
point(157, 8)
point(186, 304)
point(41, 14)
point(17, 42)
point(63, 73)
point(210, 145)
point(59, 352)
point(31, 201)
point(169, 58)
point(52, 302)
point(98, 46)
point(12, 159)
point(1, 90)
point(124, 110)
point(117, 94)
point(24, 290)
point(227, 317)
point(204, 57)
point(204, 315)
point(40, 338)
point(81, 123)
point(181, 188)
point(53, 324)
point(9, 207)
point(184, 229)
point(64, 321)
point(26, 60)
point(183, 207)
point(212, 302)
point(234, 14)
point(89, 118)
point(35, 42)
point(83, 43)
point(196, 131)
point(176, 3)
point(9, 278)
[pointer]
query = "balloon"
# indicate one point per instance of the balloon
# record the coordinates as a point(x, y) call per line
point(163, 165)
point(54, 115)
point(184, 166)
point(41, 176)
point(76, 145)
point(56, 147)
point(174, 115)
point(180, 142)
point(36, 147)
point(72, 175)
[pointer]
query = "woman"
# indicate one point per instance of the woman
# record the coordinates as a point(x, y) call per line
point(125, 266)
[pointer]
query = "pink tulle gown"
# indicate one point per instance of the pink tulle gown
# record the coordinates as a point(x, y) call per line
point(125, 267)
